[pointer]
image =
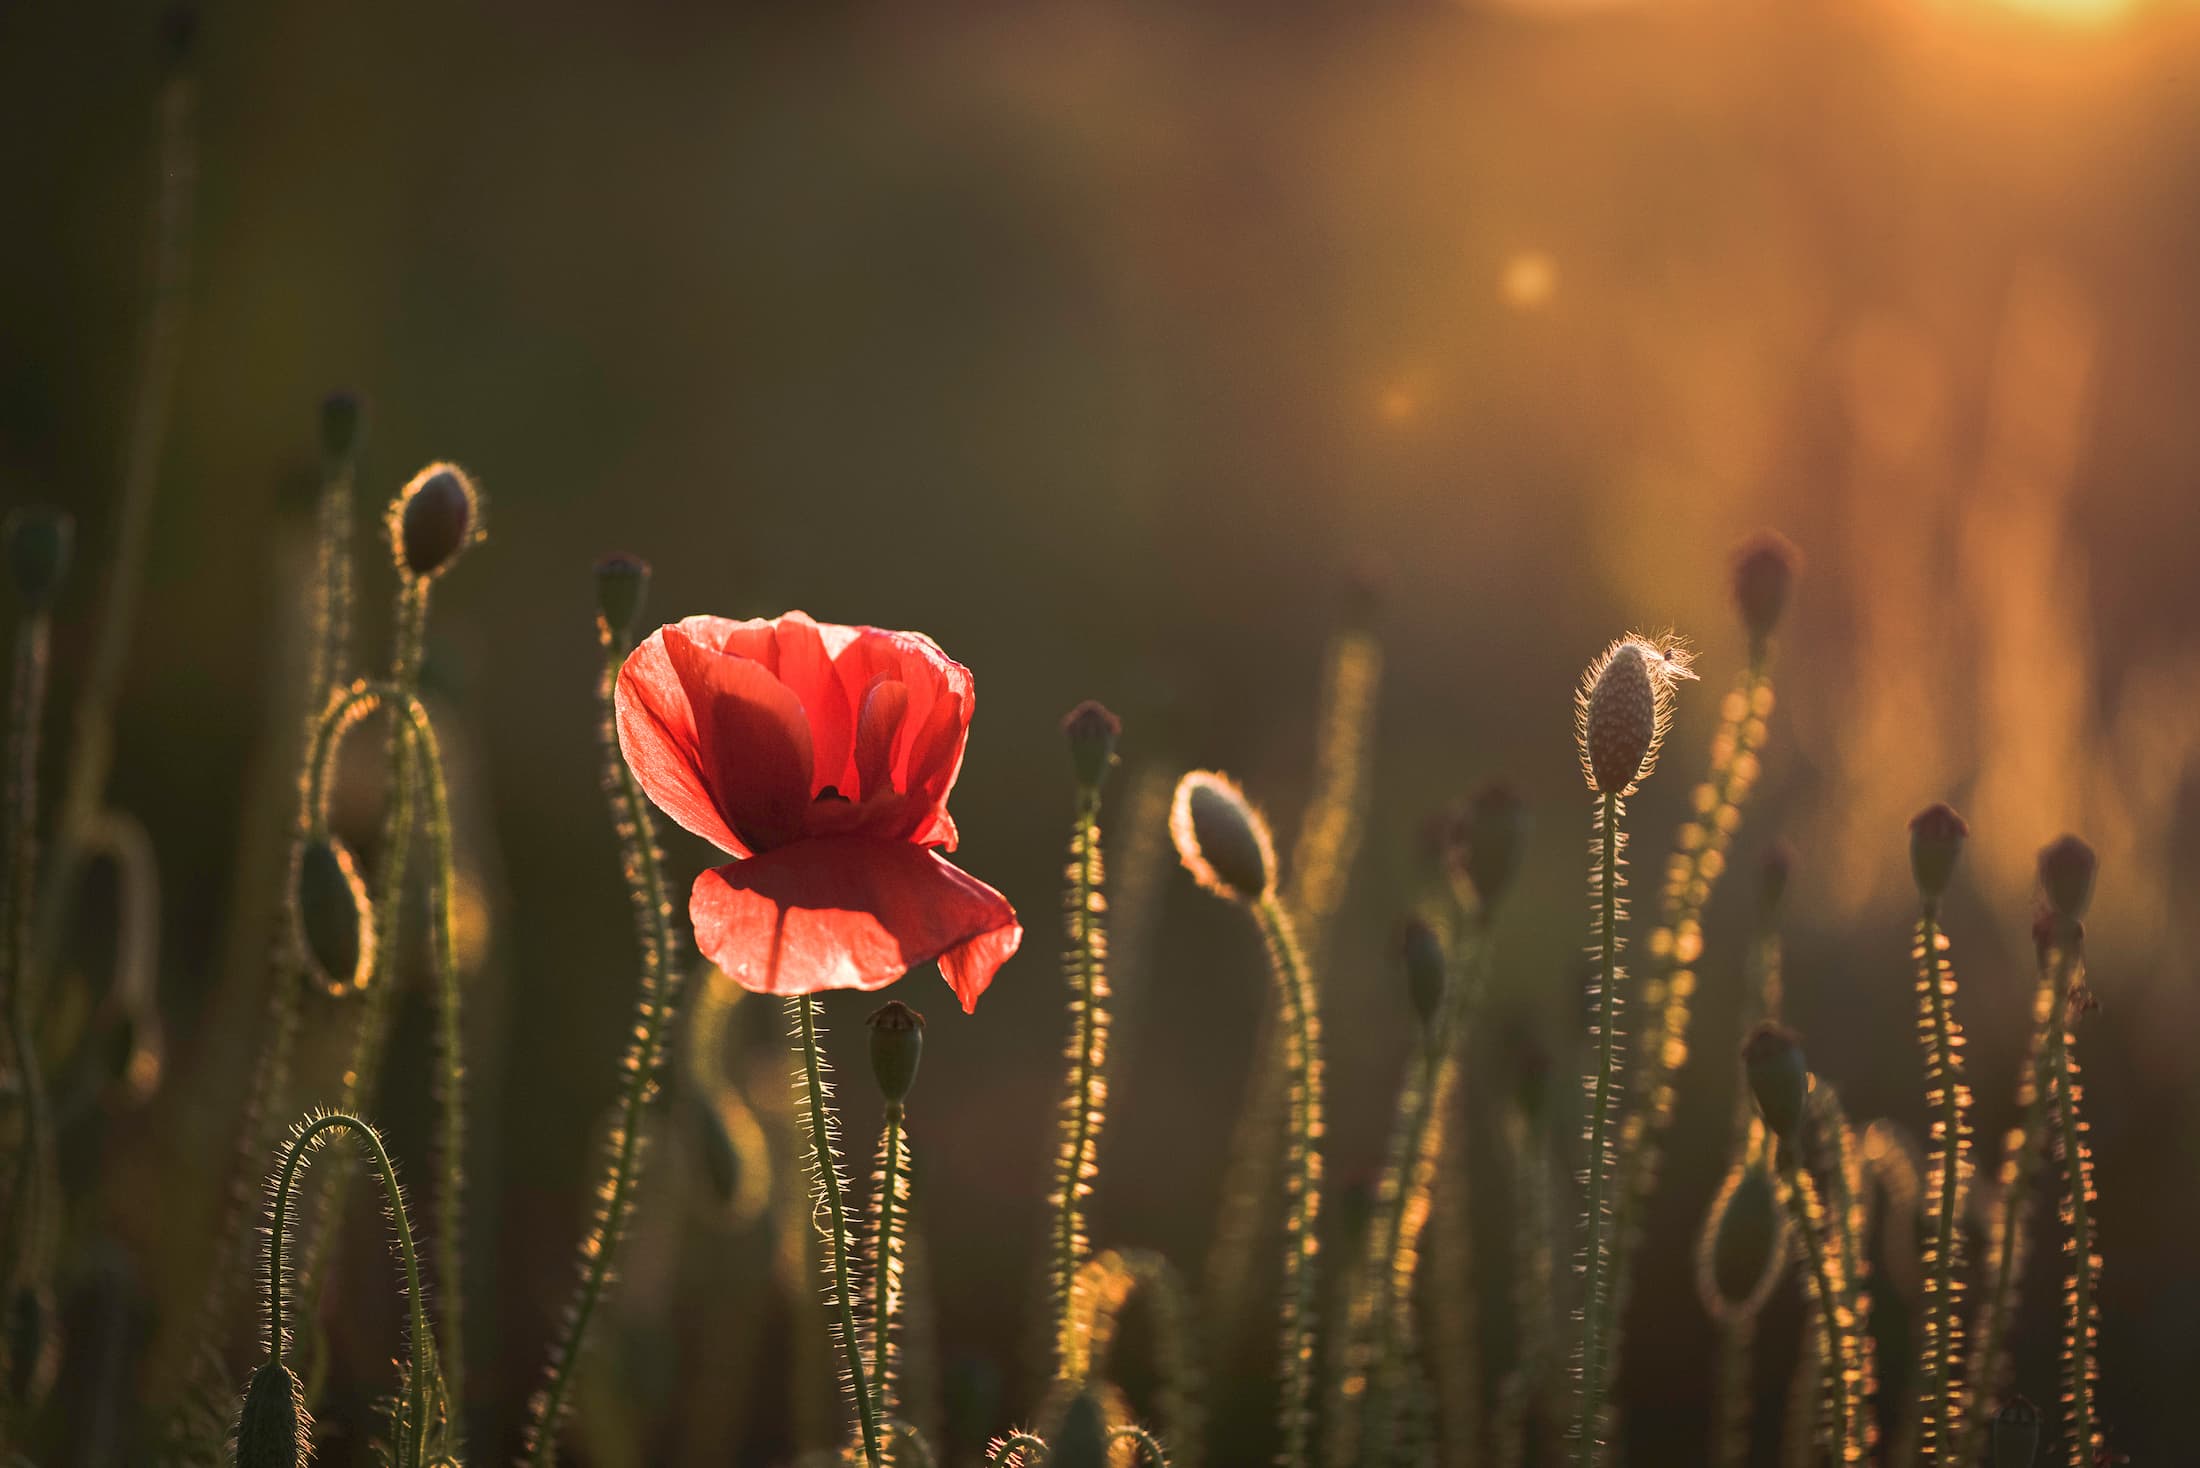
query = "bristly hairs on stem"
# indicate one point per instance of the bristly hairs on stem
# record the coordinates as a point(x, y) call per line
point(621, 585)
point(897, 1047)
point(2066, 886)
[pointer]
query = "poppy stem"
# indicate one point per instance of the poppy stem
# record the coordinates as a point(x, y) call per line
point(1084, 1099)
point(1589, 1425)
point(1940, 1362)
point(889, 1243)
point(1828, 1302)
point(19, 842)
point(1302, 1062)
point(821, 1128)
point(1523, 1396)
point(2081, 1311)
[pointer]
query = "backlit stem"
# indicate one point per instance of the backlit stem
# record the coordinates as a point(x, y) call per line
point(1302, 1061)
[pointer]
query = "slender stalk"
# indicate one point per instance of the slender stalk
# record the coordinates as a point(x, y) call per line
point(1941, 1354)
point(1602, 1082)
point(19, 840)
point(1523, 1396)
point(450, 1051)
point(2081, 1307)
point(1302, 1060)
point(1831, 1321)
point(1083, 1108)
point(889, 1243)
point(821, 1128)
point(643, 866)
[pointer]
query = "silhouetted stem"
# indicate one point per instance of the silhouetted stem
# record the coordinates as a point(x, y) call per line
point(1830, 1313)
point(1303, 1173)
point(1084, 1099)
point(818, 1123)
point(1941, 1359)
point(2081, 1317)
point(1588, 1434)
point(886, 1267)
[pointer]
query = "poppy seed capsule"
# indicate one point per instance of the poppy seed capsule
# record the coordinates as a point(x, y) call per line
point(332, 914)
point(1493, 833)
point(1423, 953)
point(436, 517)
point(1936, 840)
point(1764, 572)
point(897, 1044)
point(2016, 1435)
point(273, 1428)
point(1092, 732)
point(1772, 1058)
point(39, 540)
point(340, 425)
point(2067, 866)
point(622, 585)
point(1220, 838)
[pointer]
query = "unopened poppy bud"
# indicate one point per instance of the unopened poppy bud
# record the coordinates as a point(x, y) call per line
point(1624, 708)
point(1764, 572)
point(1772, 1058)
point(2016, 1435)
point(1082, 1439)
point(2066, 876)
point(1092, 732)
point(273, 1428)
point(333, 917)
point(1493, 834)
point(622, 585)
point(1221, 839)
point(1772, 878)
point(437, 515)
point(39, 540)
point(1936, 840)
point(897, 1044)
point(31, 1332)
point(341, 414)
point(1744, 1245)
point(1423, 953)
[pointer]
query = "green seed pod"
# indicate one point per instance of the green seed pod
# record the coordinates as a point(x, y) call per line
point(1936, 840)
point(2067, 866)
point(1772, 1058)
point(897, 1044)
point(39, 541)
point(622, 585)
point(437, 515)
point(1743, 1246)
point(1423, 953)
point(341, 414)
point(1221, 838)
point(273, 1428)
point(2016, 1435)
point(333, 917)
point(1092, 732)
point(1082, 1439)
point(1492, 834)
point(1764, 573)
point(31, 1332)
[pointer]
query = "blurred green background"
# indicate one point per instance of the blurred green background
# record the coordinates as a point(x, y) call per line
point(1113, 345)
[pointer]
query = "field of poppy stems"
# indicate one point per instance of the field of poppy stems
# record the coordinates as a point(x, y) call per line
point(1287, 1103)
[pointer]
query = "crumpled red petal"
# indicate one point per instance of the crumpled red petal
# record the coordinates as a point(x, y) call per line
point(657, 736)
point(849, 912)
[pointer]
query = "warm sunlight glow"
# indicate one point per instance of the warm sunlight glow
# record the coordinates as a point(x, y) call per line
point(1529, 281)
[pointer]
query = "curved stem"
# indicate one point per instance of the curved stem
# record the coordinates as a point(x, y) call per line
point(1829, 1299)
point(1017, 1448)
point(1303, 1174)
point(1084, 1099)
point(1941, 1398)
point(1148, 1446)
point(818, 1121)
point(19, 842)
point(1602, 1082)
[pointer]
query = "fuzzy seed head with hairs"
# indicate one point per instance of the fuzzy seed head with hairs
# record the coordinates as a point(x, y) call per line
point(1221, 839)
point(1625, 708)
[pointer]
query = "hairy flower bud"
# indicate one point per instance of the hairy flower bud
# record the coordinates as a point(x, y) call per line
point(1936, 840)
point(1772, 1058)
point(1092, 732)
point(1221, 839)
point(341, 415)
point(1624, 708)
point(622, 585)
point(437, 515)
point(1423, 953)
point(1492, 834)
point(897, 1044)
point(332, 917)
point(1764, 572)
point(39, 540)
point(2016, 1435)
point(2067, 866)
point(273, 1428)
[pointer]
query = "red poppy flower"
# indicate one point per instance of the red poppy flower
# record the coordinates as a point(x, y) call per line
point(820, 758)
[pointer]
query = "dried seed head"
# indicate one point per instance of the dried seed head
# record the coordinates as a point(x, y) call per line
point(1772, 878)
point(39, 540)
point(1743, 1246)
point(897, 1044)
point(622, 584)
point(1492, 833)
point(31, 1334)
point(1221, 839)
point(437, 515)
point(273, 1428)
point(1936, 840)
point(2016, 1435)
point(1423, 955)
point(1625, 707)
point(1764, 572)
point(2067, 866)
point(1772, 1058)
point(332, 917)
point(1092, 732)
point(340, 427)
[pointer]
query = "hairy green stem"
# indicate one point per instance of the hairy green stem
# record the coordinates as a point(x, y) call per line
point(818, 1121)
point(1831, 1319)
point(1602, 1082)
point(450, 1051)
point(1084, 1100)
point(1940, 1358)
point(1302, 1059)
point(889, 1244)
point(2081, 1307)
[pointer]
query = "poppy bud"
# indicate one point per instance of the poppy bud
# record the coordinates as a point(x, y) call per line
point(1745, 1243)
point(1772, 879)
point(1936, 840)
point(2066, 876)
point(897, 1044)
point(340, 426)
point(1423, 952)
point(1624, 708)
point(1082, 1439)
point(273, 1428)
point(622, 584)
point(39, 539)
point(1092, 733)
point(1220, 838)
point(1772, 1058)
point(1493, 832)
point(332, 915)
point(1764, 571)
point(2016, 1434)
point(31, 1333)
point(436, 517)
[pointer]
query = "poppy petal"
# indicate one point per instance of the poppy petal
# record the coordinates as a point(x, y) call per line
point(850, 912)
point(755, 738)
point(657, 737)
point(806, 667)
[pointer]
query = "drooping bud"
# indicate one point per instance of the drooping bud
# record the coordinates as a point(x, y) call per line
point(2016, 1434)
point(1772, 878)
point(39, 540)
point(897, 1044)
point(1092, 732)
point(333, 917)
point(31, 1333)
point(1743, 1246)
point(1423, 953)
point(1221, 839)
point(2067, 865)
point(1772, 1058)
point(1936, 840)
point(341, 421)
point(1764, 572)
point(437, 515)
point(1493, 834)
point(1624, 708)
point(622, 585)
point(273, 1428)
